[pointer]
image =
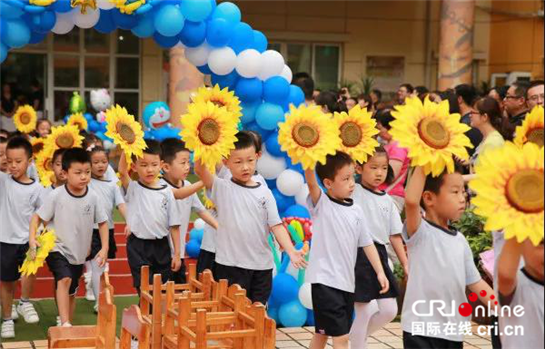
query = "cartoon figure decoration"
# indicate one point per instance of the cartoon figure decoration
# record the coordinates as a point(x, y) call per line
point(101, 101)
point(156, 118)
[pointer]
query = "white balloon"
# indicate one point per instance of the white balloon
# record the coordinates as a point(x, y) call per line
point(287, 74)
point(86, 20)
point(289, 182)
point(105, 4)
point(302, 195)
point(198, 56)
point(249, 63)
point(64, 23)
point(108, 145)
point(269, 166)
point(199, 224)
point(305, 295)
point(273, 64)
point(222, 61)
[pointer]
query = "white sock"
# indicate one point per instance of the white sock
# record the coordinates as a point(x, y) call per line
point(96, 273)
point(371, 317)
point(386, 314)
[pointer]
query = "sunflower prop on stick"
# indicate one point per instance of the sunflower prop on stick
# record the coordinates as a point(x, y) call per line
point(357, 130)
point(209, 131)
point(220, 97)
point(125, 131)
point(38, 144)
point(63, 137)
point(35, 259)
point(44, 166)
point(431, 134)
point(308, 136)
point(79, 120)
point(531, 129)
point(25, 119)
point(509, 187)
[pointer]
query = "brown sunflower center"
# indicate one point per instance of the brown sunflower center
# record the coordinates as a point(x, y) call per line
point(36, 148)
point(351, 134)
point(48, 165)
point(65, 141)
point(218, 102)
point(305, 135)
point(433, 133)
point(25, 118)
point(524, 191)
point(535, 136)
point(126, 132)
point(209, 131)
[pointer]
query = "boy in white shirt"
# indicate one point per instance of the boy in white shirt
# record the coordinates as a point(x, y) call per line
point(19, 199)
point(152, 216)
point(246, 213)
point(338, 231)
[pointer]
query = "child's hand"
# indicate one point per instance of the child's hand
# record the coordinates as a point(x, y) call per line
point(176, 263)
point(101, 257)
point(297, 258)
point(32, 246)
point(127, 230)
point(384, 283)
point(406, 270)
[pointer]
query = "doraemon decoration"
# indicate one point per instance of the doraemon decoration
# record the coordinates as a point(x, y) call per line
point(156, 115)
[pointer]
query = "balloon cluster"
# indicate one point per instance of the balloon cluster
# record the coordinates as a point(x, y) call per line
point(193, 246)
point(156, 118)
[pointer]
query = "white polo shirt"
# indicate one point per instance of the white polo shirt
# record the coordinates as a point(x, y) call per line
point(109, 194)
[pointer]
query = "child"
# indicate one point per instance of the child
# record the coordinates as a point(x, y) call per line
point(176, 166)
point(19, 199)
point(74, 209)
point(441, 263)
point(522, 287)
point(384, 224)
point(338, 231)
point(43, 128)
point(110, 197)
point(246, 213)
point(151, 215)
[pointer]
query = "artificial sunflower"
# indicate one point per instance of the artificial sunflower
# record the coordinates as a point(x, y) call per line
point(308, 136)
point(79, 120)
point(31, 265)
point(125, 132)
point(207, 202)
point(209, 131)
point(25, 119)
point(44, 166)
point(65, 137)
point(38, 145)
point(531, 129)
point(431, 134)
point(509, 188)
point(219, 97)
point(357, 130)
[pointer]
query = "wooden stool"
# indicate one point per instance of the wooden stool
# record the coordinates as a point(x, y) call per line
point(132, 325)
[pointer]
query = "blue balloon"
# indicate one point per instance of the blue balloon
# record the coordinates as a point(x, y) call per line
point(282, 201)
point(169, 20)
point(93, 126)
point(310, 317)
point(149, 134)
point(268, 116)
point(196, 234)
point(260, 41)
point(249, 90)
point(230, 80)
point(292, 314)
point(162, 133)
point(10, 12)
point(101, 135)
point(106, 23)
point(248, 112)
point(218, 32)
point(296, 96)
point(242, 37)
point(271, 183)
point(297, 211)
point(285, 288)
point(193, 248)
point(253, 126)
point(42, 23)
point(88, 117)
point(193, 34)
point(273, 313)
point(124, 21)
point(36, 38)
point(228, 11)
point(61, 6)
point(165, 41)
point(196, 10)
point(16, 33)
point(276, 90)
point(3, 52)
point(205, 69)
point(272, 145)
point(145, 27)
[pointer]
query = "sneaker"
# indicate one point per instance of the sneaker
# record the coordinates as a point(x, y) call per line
point(26, 309)
point(95, 308)
point(14, 314)
point(89, 295)
point(58, 321)
point(66, 324)
point(8, 329)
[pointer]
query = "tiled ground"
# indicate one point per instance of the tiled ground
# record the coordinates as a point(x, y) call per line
point(291, 338)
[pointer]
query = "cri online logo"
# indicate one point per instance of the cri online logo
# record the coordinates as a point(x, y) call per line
point(465, 309)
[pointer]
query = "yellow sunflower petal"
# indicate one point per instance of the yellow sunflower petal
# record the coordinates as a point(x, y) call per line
point(25, 119)
point(38, 144)
point(220, 97)
point(79, 120)
point(44, 166)
point(66, 137)
point(46, 240)
point(125, 131)
point(531, 129)
point(357, 130)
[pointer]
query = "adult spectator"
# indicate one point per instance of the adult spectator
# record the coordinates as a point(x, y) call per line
point(516, 107)
point(404, 91)
point(421, 92)
point(376, 97)
point(498, 93)
point(466, 96)
point(8, 107)
point(330, 102)
point(535, 94)
point(350, 103)
point(305, 82)
point(366, 101)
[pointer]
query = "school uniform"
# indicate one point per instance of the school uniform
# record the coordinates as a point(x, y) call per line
point(338, 233)
point(382, 220)
point(207, 255)
point(526, 331)
point(151, 212)
point(110, 197)
point(441, 267)
point(185, 207)
point(18, 202)
point(243, 255)
point(74, 217)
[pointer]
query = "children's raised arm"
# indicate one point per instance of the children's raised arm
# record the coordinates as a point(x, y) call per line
point(508, 265)
point(209, 219)
point(413, 194)
point(297, 257)
point(206, 177)
point(123, 169)
point(187, 190)
point(372, 254)
point(314, 189)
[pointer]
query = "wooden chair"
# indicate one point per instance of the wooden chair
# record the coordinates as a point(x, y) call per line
point(101, 336)
point(132, 325)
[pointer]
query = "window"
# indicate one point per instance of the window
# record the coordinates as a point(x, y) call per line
point(322, 61)
point(387, 72)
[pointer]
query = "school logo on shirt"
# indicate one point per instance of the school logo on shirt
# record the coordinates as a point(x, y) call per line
point(87, 210)
point(262, 202)
point(164, 203)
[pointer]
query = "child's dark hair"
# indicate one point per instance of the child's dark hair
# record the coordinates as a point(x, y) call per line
point(75, 155)
point(96, 149)
point(88, 139)
point(42, 120)
point(20, 143)
point(57, 153)
point(381, 151)
point(244, 140)
point(170, 147)
point(258, 141)
point(384, 117)
point(333, 164)
point(153, 147)
point(434, 184)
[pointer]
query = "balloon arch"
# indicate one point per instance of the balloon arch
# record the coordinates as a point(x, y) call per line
point(219, 44)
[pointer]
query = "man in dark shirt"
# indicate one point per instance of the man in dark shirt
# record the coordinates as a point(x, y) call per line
point(515, 105)
point(467, 95)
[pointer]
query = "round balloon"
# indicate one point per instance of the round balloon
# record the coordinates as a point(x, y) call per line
point(105, 4)
point(282, 201)
point(125, 21)
point(228, 11)
point(305, 295)
point(64, 24)
point(302, 195)
point(248, 112)
point(268, 116)
point(276, 90)
point(296, 96)
point(260, 42)
point(196, 10)
point(169, 20)
point(199, 224)
point(218, 32)
point(193, 248)
point(270, 167)
point(193, 34)
point(249, 90)
point(249, 63)
point(287, 74)
point(62, 6)
point(297, 211)
point(242, 37)
point(292, 314)
point(36, 38)
point(222, 61)
point(285, 288)
point(289, 182)
point(165, 41)
point(86, 20)
point(273, 64)
point(230, 80)
point(145, 27)
point(196, 234)
point(15, 33)
point(198, 56)
point(106, 23)
point(272, 145)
